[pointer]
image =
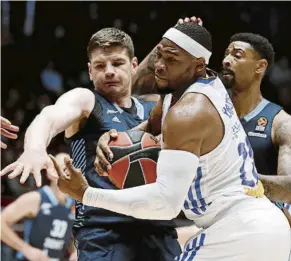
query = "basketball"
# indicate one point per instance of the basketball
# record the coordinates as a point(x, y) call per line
point(135, 155)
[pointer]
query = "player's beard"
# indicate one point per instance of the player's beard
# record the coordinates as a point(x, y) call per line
point(163, 90)
point(227, 80)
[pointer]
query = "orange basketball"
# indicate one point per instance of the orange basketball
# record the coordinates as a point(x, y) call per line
point(135, 159)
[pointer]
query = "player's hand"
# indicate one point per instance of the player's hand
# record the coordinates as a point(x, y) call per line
point(192, 19)
point(71, 180)
point(35, 254)
point(103, 152)
point(6, 127)
point(31, 161)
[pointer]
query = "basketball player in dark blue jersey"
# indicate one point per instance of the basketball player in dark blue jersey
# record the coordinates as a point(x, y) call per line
point(267, 125)
point(48, 220)
point(85, 115)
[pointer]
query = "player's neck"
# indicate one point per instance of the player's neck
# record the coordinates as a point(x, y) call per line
point(124, 102)
point(246, 100)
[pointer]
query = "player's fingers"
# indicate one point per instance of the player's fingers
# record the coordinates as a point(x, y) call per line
point(200, 22)
point(180, 21)
point(25, 173)
point(193, 19)
point(3, 145)
point(102, 159)
point(186, 19)
point(113, 133)
point(99, 169)
point(70, 167)
point(16, 172)
point(9, 168)
point(8, 134)
point(12, 128)
point(37, 178)
point(5, 122)
point(55, 169)
point(51, 169)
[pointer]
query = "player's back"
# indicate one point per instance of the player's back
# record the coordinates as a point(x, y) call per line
point(228, 169)
point(258, 126)
point(105, 116)
point(51, 229)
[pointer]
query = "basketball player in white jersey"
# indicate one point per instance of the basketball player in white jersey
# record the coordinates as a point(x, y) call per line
point(205, 166)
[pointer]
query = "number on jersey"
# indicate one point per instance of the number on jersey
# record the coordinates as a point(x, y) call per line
point(245, 150)
point(59, 228)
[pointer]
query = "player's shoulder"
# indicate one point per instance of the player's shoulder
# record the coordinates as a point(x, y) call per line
point(192, 110)
point(282, 127)
point(30, 201)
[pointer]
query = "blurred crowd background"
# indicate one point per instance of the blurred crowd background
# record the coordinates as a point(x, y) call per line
point(43, 50)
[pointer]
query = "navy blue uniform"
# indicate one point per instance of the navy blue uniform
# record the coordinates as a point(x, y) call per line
point(51, 229)
point(258, 127)
point(105, 235)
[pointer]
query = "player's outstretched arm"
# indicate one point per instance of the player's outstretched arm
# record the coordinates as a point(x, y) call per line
point(70, 107)
point(26, 206)
point(278, 188)
point(184, 130)
point(103, 153)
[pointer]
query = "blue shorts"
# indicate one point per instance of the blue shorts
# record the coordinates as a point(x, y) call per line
point(127, 244)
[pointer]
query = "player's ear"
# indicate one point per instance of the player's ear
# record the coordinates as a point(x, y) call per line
point(89, 70)
point(134, 65)
point(200, 67)
point(261, 66)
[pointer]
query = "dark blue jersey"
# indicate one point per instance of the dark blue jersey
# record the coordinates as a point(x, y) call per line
point(51, 229)
point(258, 127)
point(105, 116)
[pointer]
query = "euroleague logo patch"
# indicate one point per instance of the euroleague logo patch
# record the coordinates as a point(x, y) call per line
point(261, 124)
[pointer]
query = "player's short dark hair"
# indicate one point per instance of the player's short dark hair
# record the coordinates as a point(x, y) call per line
point(260, 44)
point(197, 33)
point(110, 37)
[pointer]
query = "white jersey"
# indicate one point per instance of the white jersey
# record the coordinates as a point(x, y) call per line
point(226, 170)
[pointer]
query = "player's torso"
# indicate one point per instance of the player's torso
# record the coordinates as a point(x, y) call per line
point(105, 116)
point(229, 168)
point(258, 127)
point(51, 229)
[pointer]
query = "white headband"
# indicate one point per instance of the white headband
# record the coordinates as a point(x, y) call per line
point(188, 44)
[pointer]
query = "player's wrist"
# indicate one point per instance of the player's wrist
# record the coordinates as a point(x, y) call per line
point(91, 197)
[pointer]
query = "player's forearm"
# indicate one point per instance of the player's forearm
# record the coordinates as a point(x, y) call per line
point(39, 133)
point(51, 121)
point(160, 200)
point(144, 80)
point(10, 238)
point(277, 188)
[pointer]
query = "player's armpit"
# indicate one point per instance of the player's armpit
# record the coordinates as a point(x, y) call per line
point(282, 138)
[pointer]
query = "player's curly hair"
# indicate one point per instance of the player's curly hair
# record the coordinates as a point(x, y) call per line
point(260, 44)
point(197, 33)
point(110, 37)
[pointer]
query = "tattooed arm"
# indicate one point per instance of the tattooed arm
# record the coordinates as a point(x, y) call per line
point(278, 188)
point(144, 79)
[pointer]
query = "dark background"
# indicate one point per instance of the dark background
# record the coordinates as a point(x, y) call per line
point(43, 49)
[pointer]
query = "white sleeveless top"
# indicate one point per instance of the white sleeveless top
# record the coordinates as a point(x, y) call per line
point(225, 170)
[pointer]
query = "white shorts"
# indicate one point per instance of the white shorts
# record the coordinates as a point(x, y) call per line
point(256, 231)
